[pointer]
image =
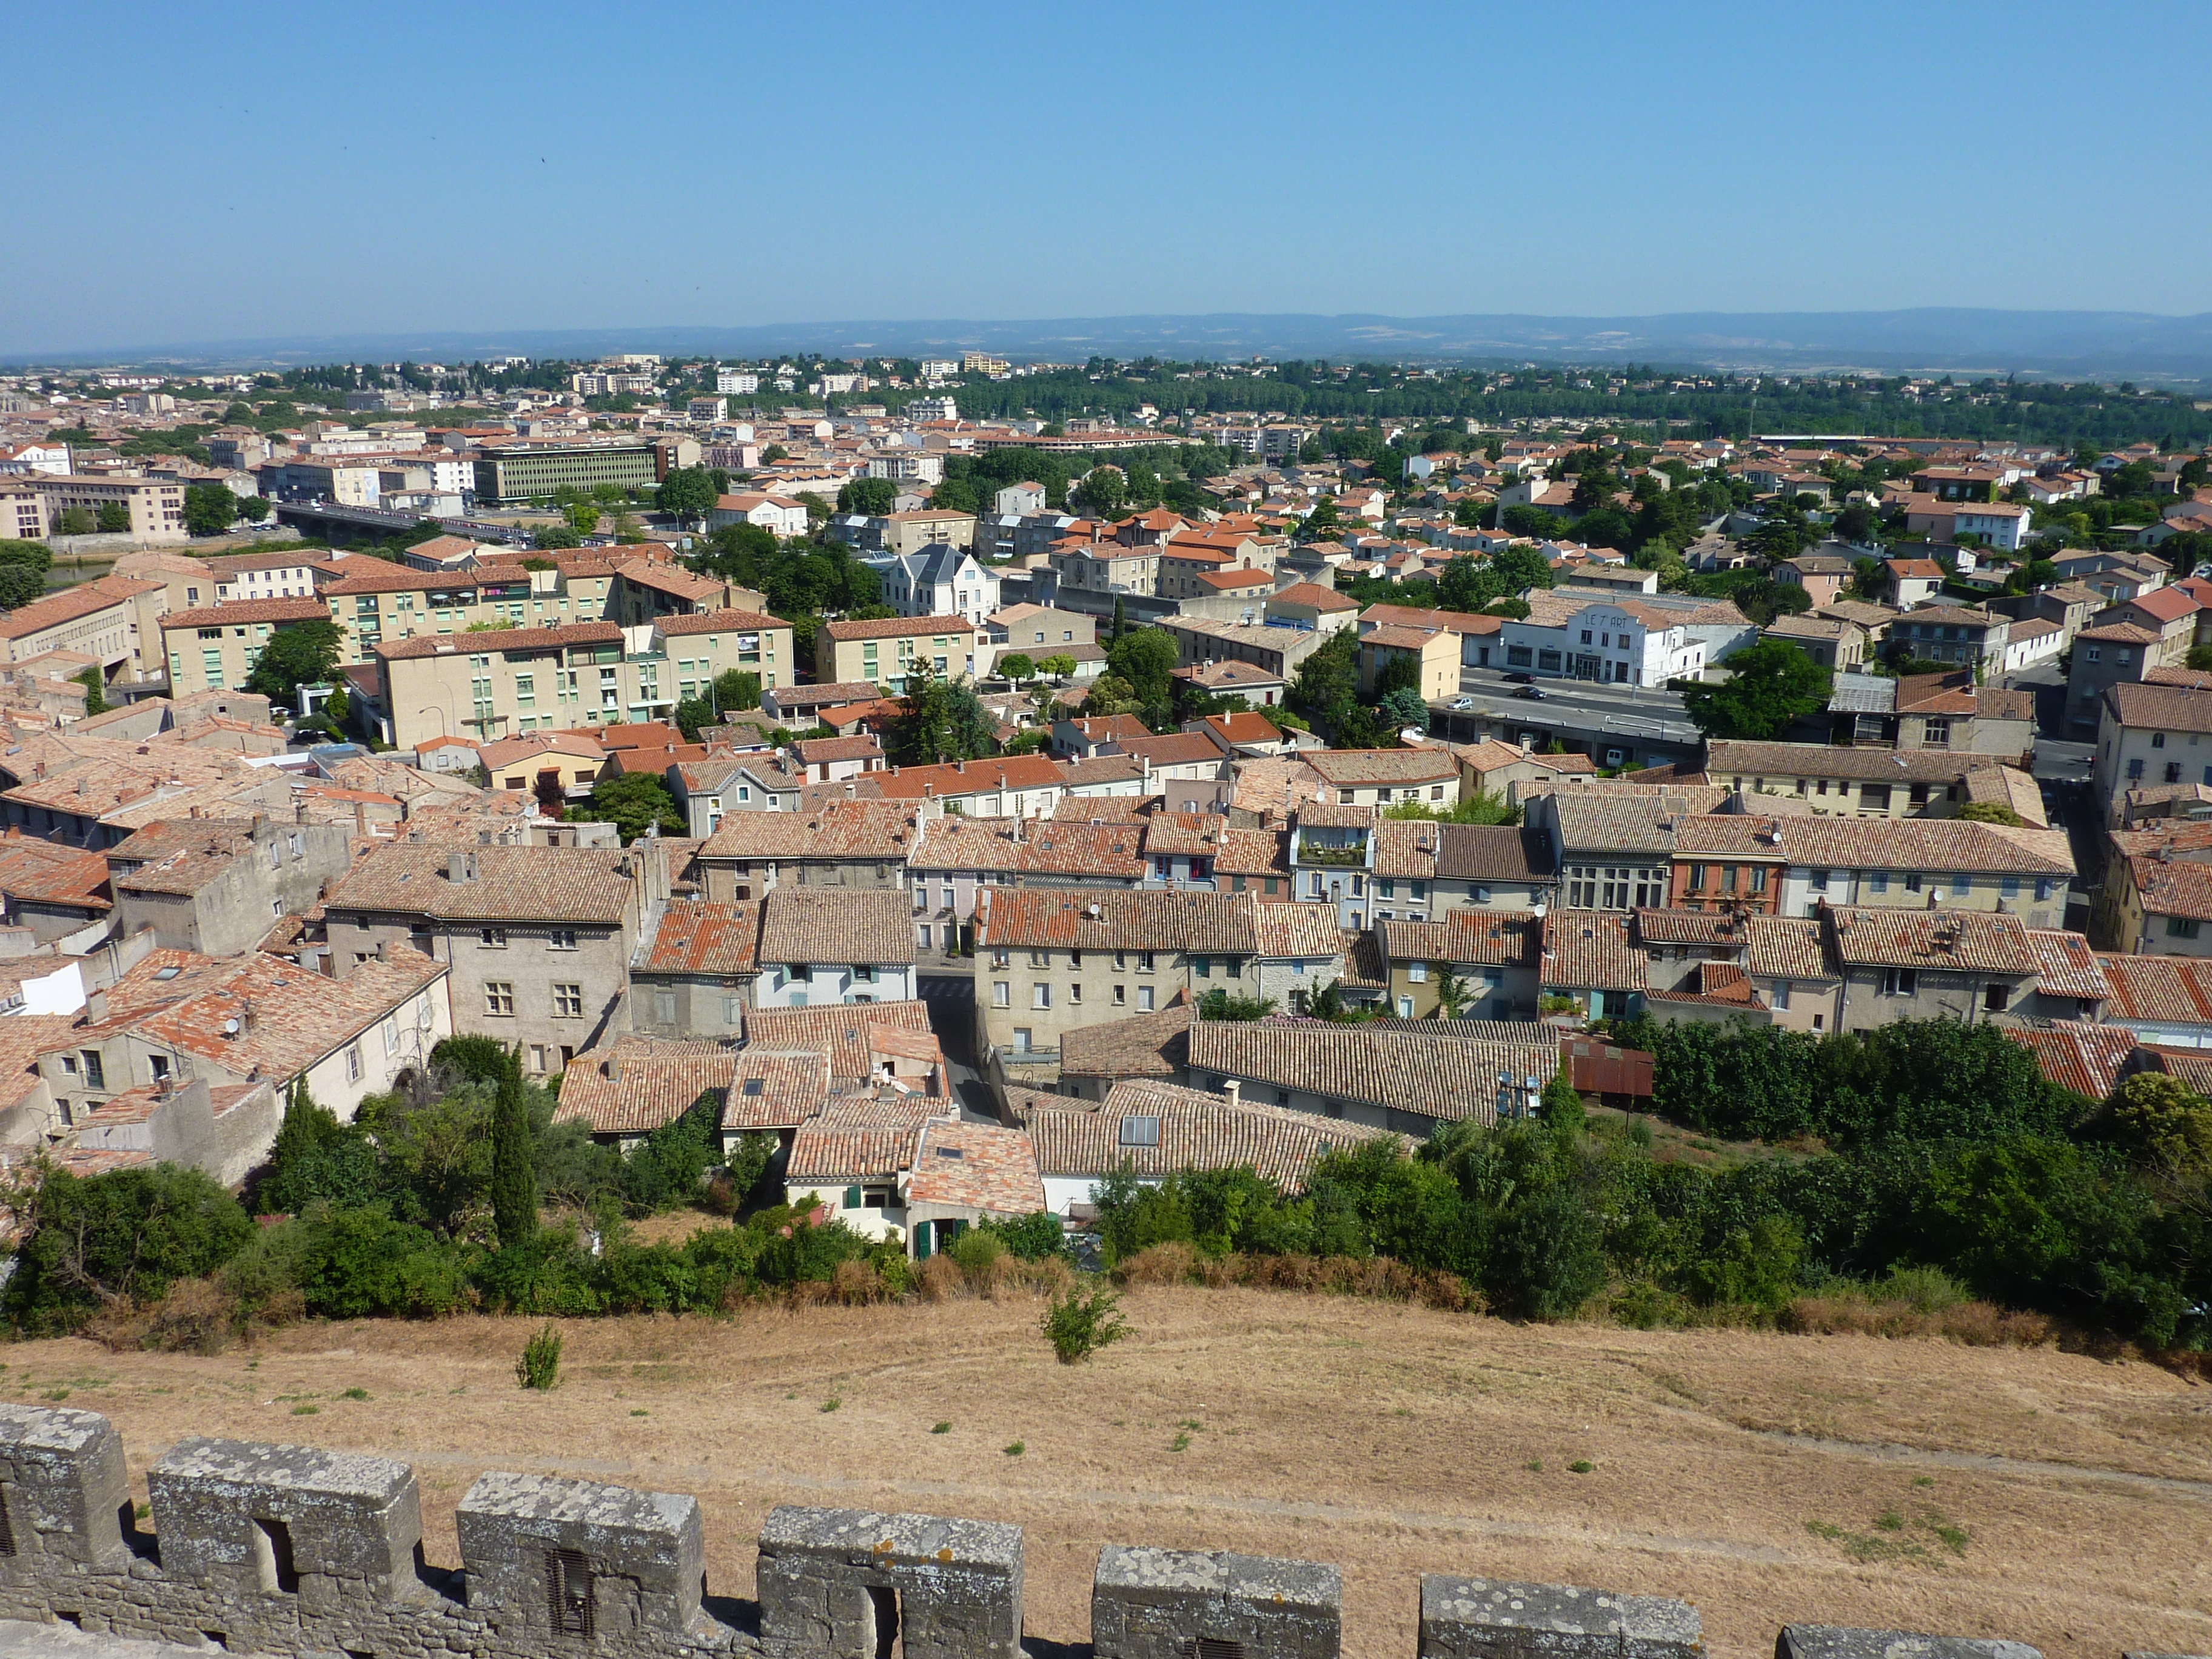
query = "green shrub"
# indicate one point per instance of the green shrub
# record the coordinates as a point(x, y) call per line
point(540, 1368)
point(1083, 1321)
point(120, 1239)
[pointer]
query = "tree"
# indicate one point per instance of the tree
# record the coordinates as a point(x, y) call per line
point(939, 721)
point(297, 655)
point(1322, 523)
point(254, 508)
point(873, 496)
point(956, 495)
point(210, 509)
point(1991, 811)
point(633, 803)
point(94, 703)
point(113, 519)
point(74, 521)
point(583, 517)
point(1451, 989)
point(1057, 667)
point(1016, 667)
point(1102, 491)
point(551, 536)
point(774, 453)
point(1403, 707)
point(737, 690)
point(1469, 514)
point(1522, 569)
point(688, 492)
point(514, 1178)
point(689, 714)
point(1145, 659)
point(1771, 686)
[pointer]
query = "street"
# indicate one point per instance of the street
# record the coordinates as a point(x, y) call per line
point(951, 998)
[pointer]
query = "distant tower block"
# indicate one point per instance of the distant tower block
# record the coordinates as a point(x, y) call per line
point(1839, 1642)
point(571, 1558)
point(63, 1489)
point(1490, 1619)
point(1175, 1604)
point(243, 1519)
point(847, 1584)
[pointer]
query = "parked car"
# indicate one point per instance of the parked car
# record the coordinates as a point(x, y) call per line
point(1532, 693)
point(1520, 677)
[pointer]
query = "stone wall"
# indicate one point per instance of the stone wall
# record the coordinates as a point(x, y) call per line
point(313, 1554)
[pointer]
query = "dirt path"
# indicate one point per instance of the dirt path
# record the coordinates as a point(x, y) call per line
point(2051, 1497)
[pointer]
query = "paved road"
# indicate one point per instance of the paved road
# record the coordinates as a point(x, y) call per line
point(952, 1002)
point(1624, 708)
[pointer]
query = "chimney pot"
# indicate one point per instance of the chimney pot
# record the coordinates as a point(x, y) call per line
point(1233, 1091)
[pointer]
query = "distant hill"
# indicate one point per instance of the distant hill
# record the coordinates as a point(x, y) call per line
point(2043, 344)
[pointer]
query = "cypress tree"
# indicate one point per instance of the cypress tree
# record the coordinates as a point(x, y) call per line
point(514, 1181)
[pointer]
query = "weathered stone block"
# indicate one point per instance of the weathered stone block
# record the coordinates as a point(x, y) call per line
point(1490, 1618)
point(571, 1557)
point(1169, 1604)
point(1841, 1642)
point(62, 1492)
point(243, 1519)
point(841, 1583)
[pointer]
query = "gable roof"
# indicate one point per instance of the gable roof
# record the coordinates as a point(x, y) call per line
point(1426, 1076)
point(855, 926)
point(1190, 1130)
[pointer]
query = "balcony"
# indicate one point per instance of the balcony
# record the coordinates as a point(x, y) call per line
point(1343, 857)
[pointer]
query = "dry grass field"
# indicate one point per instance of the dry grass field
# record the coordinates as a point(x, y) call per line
point(2056, 1499)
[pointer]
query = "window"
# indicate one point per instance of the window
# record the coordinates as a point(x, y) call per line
point(1418, 972)
point(2173, 771)
point(1405, 1008)
point(1697, 878)
point(1075, 994)
point(1758, 878)
point(492, 938)
point(1781, 995)
point(96, 1069)
point(1040, 958)
point(353, 1063)
point(2158, 739)
point(276, 907)
point(1001, 958)
point(499, 998)
point(2134, 768)
point(1202, 966)
point(1121, 996)
point(1139, 1130)
point(1899, 981)
point(563, 939)
point(1994, 997)
point(1144, 999)
point(2176, 927)
point(391, 1036)
point(1145, 963)
point(1482, 896)
point(1041, 995)
point(1001, 993)
point(1877, 881)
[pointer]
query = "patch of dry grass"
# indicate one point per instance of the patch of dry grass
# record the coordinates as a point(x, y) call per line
point(2058, 1498)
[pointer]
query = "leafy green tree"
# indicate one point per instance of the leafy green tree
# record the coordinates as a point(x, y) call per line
point(1771, 686)
point(938, 719)
point(114, 1240)
point(1991, 812)
point(1058, 666)
point(688, 492)
point(1016, 667)
point(1147, 660)
point(1404, 708)
point(94, 703)
point(254, 508)
point(555, 535)
point(1549, 1256)
point(633, 803)
point(956, 495)
point(210, 509)
point(297, 655)
point(1102, 492)
point(1470, 515)
point(874, 496)
point(74, 521)
point(583, 517)
point(1323, 523)
point(1522, 569)
point(113, 518)
point(513, 1180)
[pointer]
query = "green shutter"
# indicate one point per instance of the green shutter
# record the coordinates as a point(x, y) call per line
point(851, 1198)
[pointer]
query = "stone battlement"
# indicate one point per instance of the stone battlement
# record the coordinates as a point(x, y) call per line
point(312, 1554)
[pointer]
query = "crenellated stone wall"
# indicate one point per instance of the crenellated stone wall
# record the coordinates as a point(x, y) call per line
point(312, 1554)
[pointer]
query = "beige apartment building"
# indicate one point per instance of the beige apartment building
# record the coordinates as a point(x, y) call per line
point(881, 651)
point(157, 506)
point(384, 603)
point(506, 683)
point(22, 512)
point(215, 648)
point(117, 619)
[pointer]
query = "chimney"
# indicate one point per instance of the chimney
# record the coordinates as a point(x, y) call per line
point(614, 1068)
point(1232, 1090)
point(460, 867)
point(95, 1006)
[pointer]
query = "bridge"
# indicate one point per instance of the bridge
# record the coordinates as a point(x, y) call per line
point(331, 522)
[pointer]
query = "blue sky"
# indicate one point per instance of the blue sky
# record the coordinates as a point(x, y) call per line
point(197, 174)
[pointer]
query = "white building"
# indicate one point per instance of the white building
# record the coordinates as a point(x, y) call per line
point(943, 580)
point(1999, 524)
point(708, 409)
point(933, 408)
point(1614, 641)
point(774, 513)
point(731, 381)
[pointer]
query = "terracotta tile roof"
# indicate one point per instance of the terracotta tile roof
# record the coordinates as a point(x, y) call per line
point(508, 640)
point(632, 1085)
point(1487, 852)
point(1293, 931)
point(857, 925)
point(1786, 947)
point(1143, 1045)
point(1191, 1130)
point(861, 1138)
point(2192, 1066)
point(863, 830)
point(888, 628)
point(1345, 767)
point(1965, 940)
point(1781, 764)
point(2066, 966)
point(46, 873)
point(724, 621)
point(180, 855)
point(23, 1039)
point(1486, 938)
point(1691, 927)
point(1254, 853)
point(1590, 824)
point(247, 610)
point(289, 1018)
point(2165, 990)
point(844, 1031)
point(1202, 924)
point(1734, 834)
point(2179, 888)
point(510, 883)
point(86, 599)
point(1929, 844)
point(775, 1087)
point(1200, 834)
point(816, 751)
point(2086, 1059)
point(1443, 1077)
point(975, 1166)
point(699, 937)
point(960, 778)
point(1590, 949)
point(1407, 847)
point(1326, 600)
point(2160, 707)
